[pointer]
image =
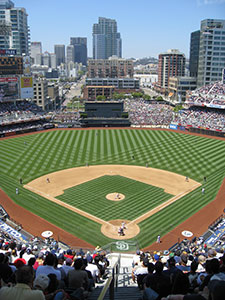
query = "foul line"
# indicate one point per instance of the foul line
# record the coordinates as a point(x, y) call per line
point(163, 205)
point(100, 221)
point(73, 208)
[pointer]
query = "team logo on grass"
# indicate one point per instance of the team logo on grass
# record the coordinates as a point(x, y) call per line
point(121, 245)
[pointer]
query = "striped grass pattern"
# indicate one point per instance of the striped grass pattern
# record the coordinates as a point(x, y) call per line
point(32, 156)
point(91, 197)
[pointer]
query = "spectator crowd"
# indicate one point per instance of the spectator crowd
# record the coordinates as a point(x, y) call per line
point(212, 94)
point(21, 115)
point(19, 111)
point(191, 271)
point(65, 117)
point(197, 117)
point(44, 271)
point(144, 113)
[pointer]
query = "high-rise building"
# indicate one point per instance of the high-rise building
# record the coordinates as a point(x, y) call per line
point(194, 53)
point(69, 54)
point(46, 59)
point(35, 48)
point(53, 60)
point(113, 67)
point(211, 51)
point(171, 63)
point(106, 40)
point(15, 19)
point(39, 59)
point(80, 49)
point(60, 54)
point(41, 93)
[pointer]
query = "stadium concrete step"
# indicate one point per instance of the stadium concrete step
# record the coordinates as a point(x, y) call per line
point(126, 288)
point(121, 293)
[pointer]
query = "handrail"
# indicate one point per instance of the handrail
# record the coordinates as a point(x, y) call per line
point(105, 289)
point(112, 281)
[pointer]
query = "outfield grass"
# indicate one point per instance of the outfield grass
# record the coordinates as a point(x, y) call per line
point(32, 156)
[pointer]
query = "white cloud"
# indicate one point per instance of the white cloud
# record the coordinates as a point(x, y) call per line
point(208, 2)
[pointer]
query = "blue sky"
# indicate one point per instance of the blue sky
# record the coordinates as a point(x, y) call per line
point(147, 27)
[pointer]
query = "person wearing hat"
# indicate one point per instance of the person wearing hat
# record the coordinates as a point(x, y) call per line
point(22, 289)
point(39, 260)
point(41, 282)
point(183, 263)
point(67, 266)
point(28, 254)
point(93, 268)
point(69, 254)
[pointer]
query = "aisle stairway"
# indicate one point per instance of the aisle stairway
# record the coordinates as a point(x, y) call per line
point(126, 290)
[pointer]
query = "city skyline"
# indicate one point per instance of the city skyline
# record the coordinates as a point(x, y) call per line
point(147, 27)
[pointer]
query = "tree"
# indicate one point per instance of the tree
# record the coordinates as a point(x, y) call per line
point(159, 98)
point(137, 95)
point(118, 96)
point(178, 108)
point(147, 97)
point(100, 98)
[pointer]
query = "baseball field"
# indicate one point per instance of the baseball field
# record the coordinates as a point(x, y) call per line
point(99, 178)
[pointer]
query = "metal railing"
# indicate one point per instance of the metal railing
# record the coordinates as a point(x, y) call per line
point(112, 282)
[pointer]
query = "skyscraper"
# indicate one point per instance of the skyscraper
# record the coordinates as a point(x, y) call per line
point(171, 63)
point(194, 53)
point(69, 54)
point(53, 60)
point(18, 36)
point(46, 59)
point(80, 49)
point(35, 48)
point(60, 54)
point(106, 40)
point(211, 51)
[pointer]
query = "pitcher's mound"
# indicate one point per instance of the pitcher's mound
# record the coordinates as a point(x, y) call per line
point(110, 229)
point(115, 196)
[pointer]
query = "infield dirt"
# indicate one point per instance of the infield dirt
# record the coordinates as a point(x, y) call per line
point(54, 184)
point(198, 223)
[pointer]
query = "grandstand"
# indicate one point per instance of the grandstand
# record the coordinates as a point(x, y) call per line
point(128, 271)
point(206, 110)
point(104, 269)
point(212, 95)
point(22, 116)
point(149, 113)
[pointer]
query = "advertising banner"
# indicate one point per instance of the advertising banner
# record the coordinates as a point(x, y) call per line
point(8, 88)
point(173, 126)
point(13, 232)
point(7, 51)
point(26, 66)
point(26, 90)
point(218, 234)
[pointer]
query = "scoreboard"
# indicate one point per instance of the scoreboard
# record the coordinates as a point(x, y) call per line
point(11, 65)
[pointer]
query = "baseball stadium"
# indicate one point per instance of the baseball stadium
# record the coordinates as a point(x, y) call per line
point(155, 187)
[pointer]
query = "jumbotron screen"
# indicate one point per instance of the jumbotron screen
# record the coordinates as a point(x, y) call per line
point(11, 65)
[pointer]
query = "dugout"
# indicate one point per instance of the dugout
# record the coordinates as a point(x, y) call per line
point(104, 114)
